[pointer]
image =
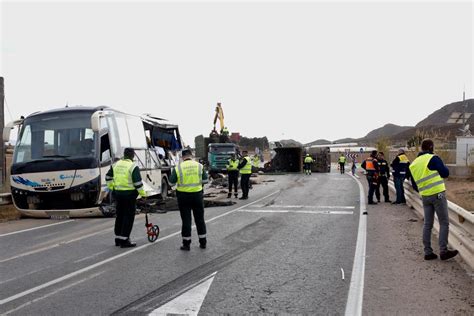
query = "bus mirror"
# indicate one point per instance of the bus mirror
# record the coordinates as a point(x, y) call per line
point(95, 121)
point(8, 128)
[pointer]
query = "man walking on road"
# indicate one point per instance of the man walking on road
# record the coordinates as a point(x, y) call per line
point(124, 179)
point(245, 168)
point(400, 167)
point(308, 161)
point(342, 163)
point(189, 176)
point(371, 166)
point(232, 174)
point(428, 172)
point(384, 176)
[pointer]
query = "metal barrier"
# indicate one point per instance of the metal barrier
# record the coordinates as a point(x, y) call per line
point(5, 198)
point(461, 229)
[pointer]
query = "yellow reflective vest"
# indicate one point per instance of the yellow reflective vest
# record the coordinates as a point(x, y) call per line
point(308, 159)
point(429, 182)
point(189, 174)
point(256, 162)
point(342, 159)
point(247, 169)
point(232, 165)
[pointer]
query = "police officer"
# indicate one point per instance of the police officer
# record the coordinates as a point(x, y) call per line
point(401, 171)
point(308, 160)
point(232, 174)
point(428, 172)
point(189, 176)
point(125, 181)
point(371, 166)
point(384, 176)
point(342, 163)
point(255, 163)
point(245, 167)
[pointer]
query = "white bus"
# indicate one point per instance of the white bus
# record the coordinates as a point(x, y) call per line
point(61, 158)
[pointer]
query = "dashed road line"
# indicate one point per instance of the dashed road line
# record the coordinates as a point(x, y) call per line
point(35, 228)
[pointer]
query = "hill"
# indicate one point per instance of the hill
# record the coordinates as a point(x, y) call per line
point(441, 116)
point(386, 131)
point(318, 142)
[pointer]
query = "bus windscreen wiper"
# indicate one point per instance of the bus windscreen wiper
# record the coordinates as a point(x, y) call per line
point(64, 157)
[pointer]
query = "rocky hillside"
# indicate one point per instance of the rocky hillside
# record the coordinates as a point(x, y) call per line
point(441, 116)
point(386, 131)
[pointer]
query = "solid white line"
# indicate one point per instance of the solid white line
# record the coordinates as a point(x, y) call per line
point(54, 245)
point(53, 293)
point(342, 271)
point(123, 254)
point(34, 228)
point(307, 206)
point(90, 257)
point(301, 211)
point(356, 288)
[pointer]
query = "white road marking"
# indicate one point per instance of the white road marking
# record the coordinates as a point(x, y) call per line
point(300, 211)
point(35, 228)
point(189, 302)
point(54, 245)
point(306, 206)
point(90, 257)
point(53, 293)
point(342, 271)
point(123, 254)
point(356, 288)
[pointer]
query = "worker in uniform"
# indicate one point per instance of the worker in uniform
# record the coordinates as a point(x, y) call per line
point(232, 174)
point(428, 172)
point(401, 171)
point(245, 168)
point(371, 167)
point(308, 161)
point(384, 176)
point(189, 176)
point(124, 179)
point(342, 163)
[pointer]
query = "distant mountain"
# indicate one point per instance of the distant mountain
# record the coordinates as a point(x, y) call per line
point(441, 116)
point(346, 140)
point(318, 142)
point(387, 131)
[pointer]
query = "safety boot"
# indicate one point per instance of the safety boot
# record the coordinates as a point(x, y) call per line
point(202, 243)
point(229, 195)
point(127, 244)
point(448, 254)
point(186, 245)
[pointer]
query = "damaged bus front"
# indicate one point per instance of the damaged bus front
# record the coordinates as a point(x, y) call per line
point(61, 158)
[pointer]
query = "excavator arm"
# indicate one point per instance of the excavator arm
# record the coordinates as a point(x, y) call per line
point(219, 115)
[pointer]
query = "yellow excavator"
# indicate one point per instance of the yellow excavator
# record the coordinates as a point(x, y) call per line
point(223, 135)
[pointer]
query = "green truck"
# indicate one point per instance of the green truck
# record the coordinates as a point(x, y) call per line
point(214, 155)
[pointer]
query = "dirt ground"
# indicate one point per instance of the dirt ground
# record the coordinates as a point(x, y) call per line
point(461, 192)
point(8, 213)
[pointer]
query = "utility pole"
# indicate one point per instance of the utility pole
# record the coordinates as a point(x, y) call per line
point(2, 124)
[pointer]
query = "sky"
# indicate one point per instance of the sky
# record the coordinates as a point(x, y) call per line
point(301, 70)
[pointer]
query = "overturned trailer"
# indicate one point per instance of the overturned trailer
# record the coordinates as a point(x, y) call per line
point(290, 159)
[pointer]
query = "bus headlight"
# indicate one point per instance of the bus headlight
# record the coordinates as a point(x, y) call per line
point(77, 196)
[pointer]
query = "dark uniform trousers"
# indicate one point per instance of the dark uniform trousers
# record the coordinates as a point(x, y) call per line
point(188, 202)
point(245, 184)
point(233, 177)
point(126, 205)
point(342, 167)
point(383, 181)
point(372, 179)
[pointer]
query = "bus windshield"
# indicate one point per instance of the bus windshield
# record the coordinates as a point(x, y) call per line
point(59, 135)
point(222, 149)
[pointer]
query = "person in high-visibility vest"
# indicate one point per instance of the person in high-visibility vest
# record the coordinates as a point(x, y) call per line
point(245, 168)
point(428, 172)
point(401, 171)
point(189, 176)
point(371, 166)
point(233, 175)
point(255, 163)
point(124, 179)
point(342, 163)
point(308, 161)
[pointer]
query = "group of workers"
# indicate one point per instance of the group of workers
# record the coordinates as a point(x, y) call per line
point(124, 180)
point(427, 173)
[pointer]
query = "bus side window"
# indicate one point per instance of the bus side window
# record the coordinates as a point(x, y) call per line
point(104, 149)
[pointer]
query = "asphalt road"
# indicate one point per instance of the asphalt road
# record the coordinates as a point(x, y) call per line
point(290, 248)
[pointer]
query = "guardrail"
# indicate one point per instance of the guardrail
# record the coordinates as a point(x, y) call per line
point(461, 229)
point(5, 198)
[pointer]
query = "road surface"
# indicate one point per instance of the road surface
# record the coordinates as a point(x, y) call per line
point(297, 246)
